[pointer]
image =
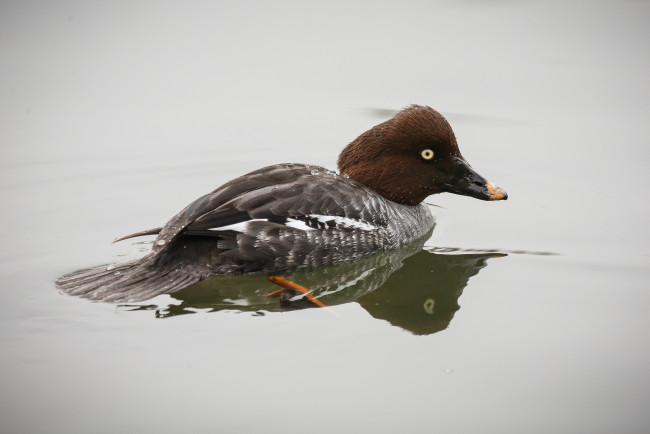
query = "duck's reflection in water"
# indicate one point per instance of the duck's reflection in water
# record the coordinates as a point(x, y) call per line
point(411, 288)
point(422, 295)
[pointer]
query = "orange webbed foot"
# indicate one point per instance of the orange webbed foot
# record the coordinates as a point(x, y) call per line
point(287, 285)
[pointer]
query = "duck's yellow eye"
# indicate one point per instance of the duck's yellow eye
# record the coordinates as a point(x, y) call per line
point(427, 154)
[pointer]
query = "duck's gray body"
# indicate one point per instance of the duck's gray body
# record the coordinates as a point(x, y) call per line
point(274, 220)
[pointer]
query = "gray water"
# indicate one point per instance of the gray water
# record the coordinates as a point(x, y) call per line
point(529, 315)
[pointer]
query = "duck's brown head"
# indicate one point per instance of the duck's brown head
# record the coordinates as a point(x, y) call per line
point(412, 156)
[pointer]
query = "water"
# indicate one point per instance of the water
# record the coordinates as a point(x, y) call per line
point(528, 315)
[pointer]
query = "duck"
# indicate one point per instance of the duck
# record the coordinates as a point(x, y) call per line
point(292, 216)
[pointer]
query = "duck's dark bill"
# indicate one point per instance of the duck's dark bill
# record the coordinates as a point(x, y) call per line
point(469, 183)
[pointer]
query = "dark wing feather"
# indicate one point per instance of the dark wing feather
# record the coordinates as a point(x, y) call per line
point(277, 174)
point(258, 179)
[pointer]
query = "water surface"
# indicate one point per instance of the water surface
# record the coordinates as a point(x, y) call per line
point(528, 315)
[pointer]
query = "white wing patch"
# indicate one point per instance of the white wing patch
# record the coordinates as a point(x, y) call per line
point(299, 224)
point(343, 222)
point(310, 222)
point(238, 227)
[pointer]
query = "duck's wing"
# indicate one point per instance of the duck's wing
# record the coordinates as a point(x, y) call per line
point(296, 195)
point(316, 200)
point(278, 174)
point(272, 175)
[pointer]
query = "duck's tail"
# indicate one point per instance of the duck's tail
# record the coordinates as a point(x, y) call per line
point(136, 280)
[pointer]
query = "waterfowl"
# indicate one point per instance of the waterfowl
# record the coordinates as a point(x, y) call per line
point(285, 217)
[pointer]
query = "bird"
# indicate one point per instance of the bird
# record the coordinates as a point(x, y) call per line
point(286, 217)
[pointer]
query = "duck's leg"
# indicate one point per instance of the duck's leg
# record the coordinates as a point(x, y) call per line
point(287, 285)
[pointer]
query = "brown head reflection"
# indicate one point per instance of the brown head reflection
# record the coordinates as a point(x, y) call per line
point(422, 296)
